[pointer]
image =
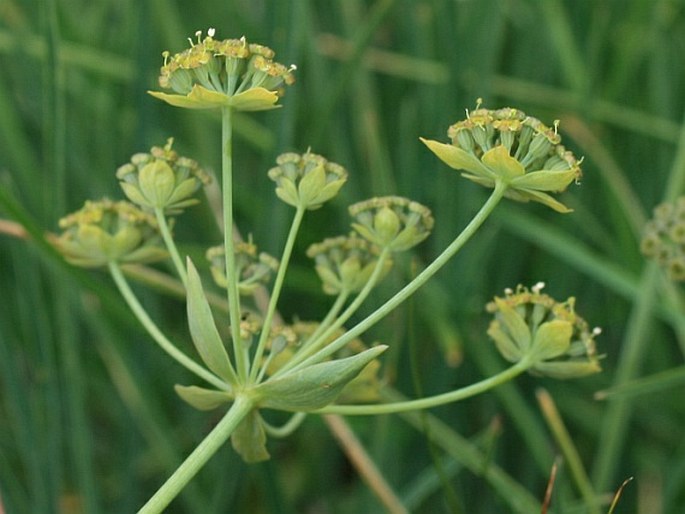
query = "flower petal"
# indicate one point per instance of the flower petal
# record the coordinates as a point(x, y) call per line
point(198, 98)
point(458, 159)
point(502, 164)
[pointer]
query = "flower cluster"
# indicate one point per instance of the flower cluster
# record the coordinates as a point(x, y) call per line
point(506, 145)
point(531, 325)
point(252, 269)
point(216, 73)
point(162, 179)
point(307, 180)
point(392, 222)
point(105, 231)
point(663, 238)
point(345, 263)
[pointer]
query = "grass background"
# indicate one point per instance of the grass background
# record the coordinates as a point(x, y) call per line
point(88, 419)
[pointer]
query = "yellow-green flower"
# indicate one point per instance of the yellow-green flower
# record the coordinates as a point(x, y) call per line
point(216, 73)
point(345, 263)
point(392, 222)
point(105, 231)
point(506, 145)
point(306, 180)
point(162, 179)
point(531, 325)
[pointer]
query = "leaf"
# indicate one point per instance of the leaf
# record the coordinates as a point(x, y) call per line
point(458, 159)
point(552, 339)
point(203, 329)
point(315, 386)
point(249, 439)
point(201, 398)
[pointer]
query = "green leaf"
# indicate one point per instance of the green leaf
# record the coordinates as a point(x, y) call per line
point(552, 339)
point(249, 439)
point(201, 398)
point(515, 325)
point(546, 180)
point(315, 386)
point(505, 166)
point(458, 159)
point(203, 329)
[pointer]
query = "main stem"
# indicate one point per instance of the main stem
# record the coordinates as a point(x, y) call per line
point(242, 363)
point(432, 401)
point(199, 457)
point(414, 285)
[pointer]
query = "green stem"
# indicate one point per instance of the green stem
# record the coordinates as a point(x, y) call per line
point(276, 293)
point(171, 245)
point(242, 362)
point(421, 278)
point(201, 454)
point(305, 352)
point(157, 335)
point(571, 455)
point(288, 427)
point(325, 323)
point(432, 401)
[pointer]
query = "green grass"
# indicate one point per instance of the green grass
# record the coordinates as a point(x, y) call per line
point(89, 421)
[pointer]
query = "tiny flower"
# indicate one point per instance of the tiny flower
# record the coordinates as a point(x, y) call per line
point(252, 269)
point(506, 145)
point(663, 238)
point(306, 180)
point(105, 231)
point(531, 325)
point(223, 73)
point(345, 263)
point(162, 179)
point(392, 221)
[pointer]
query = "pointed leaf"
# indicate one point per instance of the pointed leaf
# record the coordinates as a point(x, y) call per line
point(255, 99)
point(503, 342)
point(544, 199)
point(203, 329)
point(504, 165)
point(458, 159)
point(201, 398)
point(315, 386)
point(552, 339)
point(515, 325)
point(545, 180)
point(567, 369)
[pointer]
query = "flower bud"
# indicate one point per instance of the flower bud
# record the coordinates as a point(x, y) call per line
point(162, 179)
point(306, 180)
point(506, 145)
point(533, 326)
point(105, 231)
point(392, 221)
